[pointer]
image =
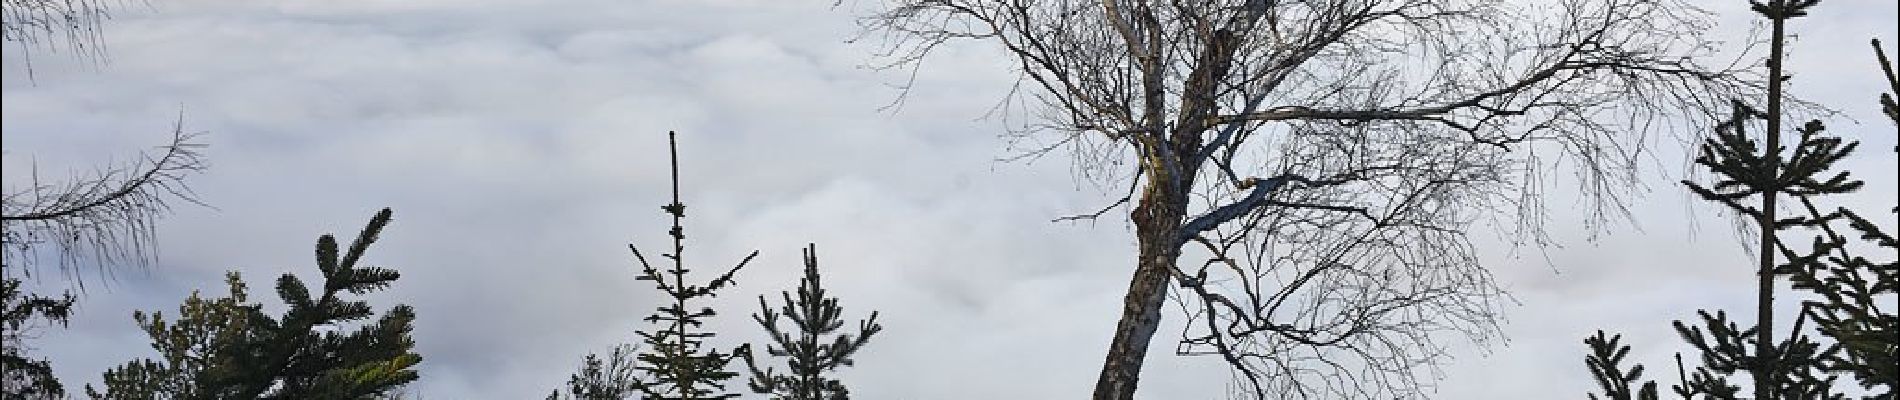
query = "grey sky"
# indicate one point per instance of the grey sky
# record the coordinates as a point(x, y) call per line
point(522, 146)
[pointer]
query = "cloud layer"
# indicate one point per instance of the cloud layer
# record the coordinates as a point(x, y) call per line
point(522, 146)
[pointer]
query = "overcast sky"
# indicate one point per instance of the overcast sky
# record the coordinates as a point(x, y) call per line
point(522, 146)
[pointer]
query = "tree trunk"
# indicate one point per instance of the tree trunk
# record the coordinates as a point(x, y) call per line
point(1767, 367)
point(1157, 222)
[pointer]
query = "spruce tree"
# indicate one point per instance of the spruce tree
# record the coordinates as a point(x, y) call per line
point(812, 350)
point(1777, 369)
point(21, 314)
point(229, 348)
point(1606, 365)
point(676, 362)
point(1853, 289)
point(1857, 336)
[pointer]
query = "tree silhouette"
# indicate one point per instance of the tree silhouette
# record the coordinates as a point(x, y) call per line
point(814, 348)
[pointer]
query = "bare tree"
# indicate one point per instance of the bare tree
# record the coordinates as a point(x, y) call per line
point(1327, 157)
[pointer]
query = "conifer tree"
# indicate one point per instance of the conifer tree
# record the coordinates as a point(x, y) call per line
point(1606, 365)
point(1858, 336)
point(676, 362)
point(229, 348)
point(1777, 369)
point(1854, 295)
point(21, 376)
point(811, 350)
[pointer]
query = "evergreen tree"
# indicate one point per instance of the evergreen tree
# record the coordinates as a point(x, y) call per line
point(1858, 337)
point(1777, 369)
point(676, 362)
point(808, 355)
point(1850, 289)
point(228, 348)
point(22, 377)
point(1606, 365)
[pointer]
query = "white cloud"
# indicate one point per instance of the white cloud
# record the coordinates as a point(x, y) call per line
point(521, 145)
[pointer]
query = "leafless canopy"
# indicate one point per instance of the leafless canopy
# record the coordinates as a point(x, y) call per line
point(1344, 149)
point(107, 217)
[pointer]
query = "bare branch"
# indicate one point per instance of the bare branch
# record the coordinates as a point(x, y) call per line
point(52, 25)
point(108, 217)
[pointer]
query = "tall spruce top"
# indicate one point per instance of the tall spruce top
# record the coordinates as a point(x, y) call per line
point(1845, 290)
point(676, 362)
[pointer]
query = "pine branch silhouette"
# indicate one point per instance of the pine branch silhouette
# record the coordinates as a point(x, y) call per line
point(225, 348)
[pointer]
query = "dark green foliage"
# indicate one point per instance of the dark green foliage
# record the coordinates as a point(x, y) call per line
point(227, 348)
point(1887, 102)
point(1746, 171)
point(1605, 362)
point(609, 379)
point(22, 377)
point(1727, 349)
point(1852, 292)
point(1788, 368)
point(200, 353)
point(676, 363)
point(1858, 337)
point(807, 351)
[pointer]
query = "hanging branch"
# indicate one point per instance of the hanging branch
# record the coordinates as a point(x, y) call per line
point(106, 218)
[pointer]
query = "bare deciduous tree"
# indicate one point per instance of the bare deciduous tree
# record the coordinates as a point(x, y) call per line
point(1327, 157)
